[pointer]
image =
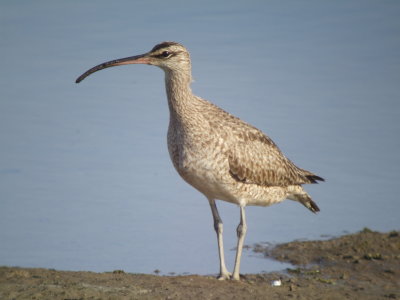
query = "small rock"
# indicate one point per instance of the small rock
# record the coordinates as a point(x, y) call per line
point(277, 282)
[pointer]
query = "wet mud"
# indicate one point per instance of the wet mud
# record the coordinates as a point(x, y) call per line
point(365, 265)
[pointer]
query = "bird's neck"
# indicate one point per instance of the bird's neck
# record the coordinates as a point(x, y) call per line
point(179, 93)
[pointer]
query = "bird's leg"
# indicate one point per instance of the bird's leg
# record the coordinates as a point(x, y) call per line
point(241, 233)
point(218, 226)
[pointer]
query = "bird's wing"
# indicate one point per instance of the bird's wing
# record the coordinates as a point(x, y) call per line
point(255, 159)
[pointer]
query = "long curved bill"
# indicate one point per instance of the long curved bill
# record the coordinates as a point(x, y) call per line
point(138, 59)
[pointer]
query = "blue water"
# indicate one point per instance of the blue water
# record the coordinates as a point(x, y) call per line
point(85, 178)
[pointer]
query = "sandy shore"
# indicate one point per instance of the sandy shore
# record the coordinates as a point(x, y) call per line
point(365, 265)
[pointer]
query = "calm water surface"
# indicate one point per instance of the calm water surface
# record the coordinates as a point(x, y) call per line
point(85, 178)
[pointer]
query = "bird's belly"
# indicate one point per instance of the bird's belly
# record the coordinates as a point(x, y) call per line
point(206, 178)
point(204, 171)
point(215, 182)
point(207, 170)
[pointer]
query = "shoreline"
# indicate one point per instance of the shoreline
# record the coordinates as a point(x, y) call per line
point(364, 265)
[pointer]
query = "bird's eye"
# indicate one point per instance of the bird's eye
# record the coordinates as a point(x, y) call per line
point(166, 54)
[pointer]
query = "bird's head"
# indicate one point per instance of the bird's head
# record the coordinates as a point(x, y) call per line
point(169, 56)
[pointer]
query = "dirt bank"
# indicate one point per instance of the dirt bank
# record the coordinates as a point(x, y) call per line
point(365, 265)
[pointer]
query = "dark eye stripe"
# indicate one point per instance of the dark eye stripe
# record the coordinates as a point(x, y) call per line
point(165, 54)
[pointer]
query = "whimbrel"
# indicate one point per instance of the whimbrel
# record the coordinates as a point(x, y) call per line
point(220, 155)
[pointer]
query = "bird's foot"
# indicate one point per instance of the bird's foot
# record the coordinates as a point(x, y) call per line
point(236, 277)
point(224, 276)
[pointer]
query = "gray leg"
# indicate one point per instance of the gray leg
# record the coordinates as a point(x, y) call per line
point(241, 233)
point(218, 226)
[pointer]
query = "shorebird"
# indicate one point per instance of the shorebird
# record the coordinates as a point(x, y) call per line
point(220, 155)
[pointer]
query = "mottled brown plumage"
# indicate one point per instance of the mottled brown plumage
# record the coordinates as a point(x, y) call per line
point(220, 155)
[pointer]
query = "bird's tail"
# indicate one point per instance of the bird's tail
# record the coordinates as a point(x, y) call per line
point(308, 202)
point(305, 199)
